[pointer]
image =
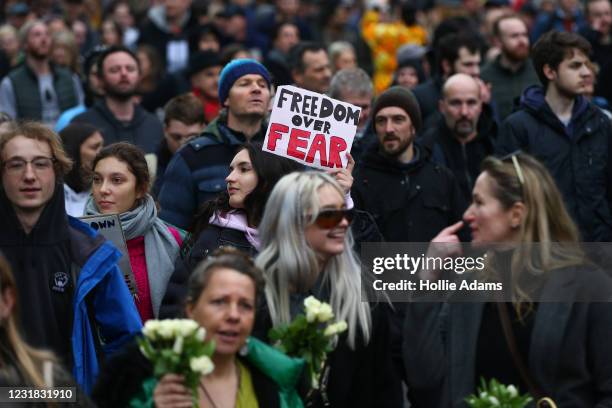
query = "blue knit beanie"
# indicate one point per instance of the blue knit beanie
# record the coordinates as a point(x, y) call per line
point(236, 69)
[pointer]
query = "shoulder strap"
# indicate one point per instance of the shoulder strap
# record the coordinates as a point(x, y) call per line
point(504, 317)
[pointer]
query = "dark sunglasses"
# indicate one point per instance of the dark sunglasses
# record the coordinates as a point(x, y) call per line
point(330, 218)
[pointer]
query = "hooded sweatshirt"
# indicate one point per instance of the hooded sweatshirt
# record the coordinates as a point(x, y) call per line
point(144, 130)
point(41, 264)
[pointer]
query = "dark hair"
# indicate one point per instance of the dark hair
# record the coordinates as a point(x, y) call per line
point(186, 108)
point(269, 169)
point(73, 136)
point(448, 49)
point(224, 257)
point(296, 54)
point(157, 65)
point(112, 50)
point(408, 12)
point(202, 30)
point(553, 47)
point(116, 26)
point(228, 53)
point(133, 157)
point(277, 28)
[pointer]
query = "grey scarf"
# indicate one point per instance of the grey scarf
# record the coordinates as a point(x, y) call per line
point(161, 248)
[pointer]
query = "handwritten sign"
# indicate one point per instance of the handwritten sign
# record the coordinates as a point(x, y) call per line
point(311, 128)
point(109, 226)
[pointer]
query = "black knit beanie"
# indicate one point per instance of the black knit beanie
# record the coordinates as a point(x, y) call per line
point(402, 98)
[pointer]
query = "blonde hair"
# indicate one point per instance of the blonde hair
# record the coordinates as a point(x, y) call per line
point(29, 361)
point(66, 40)
point(549, 237)
point(290, 265)
point(38, 131)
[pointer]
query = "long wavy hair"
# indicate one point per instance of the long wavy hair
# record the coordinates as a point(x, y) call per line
point(549, 238)
point(27, 360)
point(290, 265)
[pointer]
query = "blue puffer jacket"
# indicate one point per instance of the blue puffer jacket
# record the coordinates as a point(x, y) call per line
point(577, 155)
point(102, 303)
point(197, 171)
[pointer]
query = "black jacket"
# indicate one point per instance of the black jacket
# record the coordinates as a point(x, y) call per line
point(360, 378)
point(462, 159)
point(144, 130)
point(577, 156)
point(410, 202)
point(210, 239)
point(569, 355)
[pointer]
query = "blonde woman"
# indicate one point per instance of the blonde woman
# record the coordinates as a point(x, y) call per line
point(306, 250)
point(557, 350)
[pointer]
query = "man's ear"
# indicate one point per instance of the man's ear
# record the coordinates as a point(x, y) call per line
point(549, 73)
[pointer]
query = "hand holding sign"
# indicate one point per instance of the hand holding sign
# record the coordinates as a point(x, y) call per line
point(311, 128)
point(344, 177)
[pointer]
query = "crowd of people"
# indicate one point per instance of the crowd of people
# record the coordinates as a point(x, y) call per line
point(482, 123)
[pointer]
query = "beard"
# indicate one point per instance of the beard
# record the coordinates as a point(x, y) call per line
point(517, 54)
point(464, 128)
point(118, 93)
point(39, 53)
point(402, 146)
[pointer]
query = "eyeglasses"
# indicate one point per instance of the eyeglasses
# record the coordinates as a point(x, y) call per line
point(517, 166)
point(39, 164)
point(330, 218)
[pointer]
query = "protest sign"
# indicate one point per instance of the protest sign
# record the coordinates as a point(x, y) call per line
point(311, 128)
point(109, 226)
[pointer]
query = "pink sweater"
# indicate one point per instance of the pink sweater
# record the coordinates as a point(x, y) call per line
point(138, 261)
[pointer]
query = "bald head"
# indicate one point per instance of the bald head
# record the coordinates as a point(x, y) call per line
point(460, 83)
point(461, 106)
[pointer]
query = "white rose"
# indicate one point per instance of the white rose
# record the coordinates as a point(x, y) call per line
point(178, 345)
point(325, 313)
point(335, 328)
point(311, 303)
point(150, 329)
point(494, 401)
point(329, 331)
point(200, 334)
point(512, 391)
point(341, 326)
point(311, 315)
point(187, 327)
point(166, 329)
point(202, 365)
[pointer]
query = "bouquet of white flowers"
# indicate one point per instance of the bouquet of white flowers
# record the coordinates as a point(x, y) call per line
point(311, 336)
point(498, 395)
point(177, 346)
